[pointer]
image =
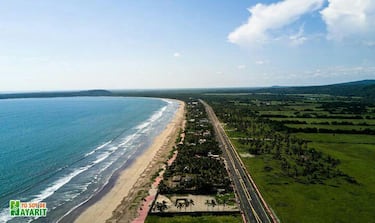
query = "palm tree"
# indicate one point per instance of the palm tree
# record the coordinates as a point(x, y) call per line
point(213, 203)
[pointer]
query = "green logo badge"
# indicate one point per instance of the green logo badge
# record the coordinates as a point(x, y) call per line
point(14, 207)
point(27, 209)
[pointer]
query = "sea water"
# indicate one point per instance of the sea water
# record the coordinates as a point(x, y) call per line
point(62, 151)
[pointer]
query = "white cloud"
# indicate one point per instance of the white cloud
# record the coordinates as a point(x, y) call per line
point(361, 72)
point(177, 54)
point(325, 75)
point(267, 18)
point(345, 18)
point(241, 67)
point(299, 38)
point(260, 62)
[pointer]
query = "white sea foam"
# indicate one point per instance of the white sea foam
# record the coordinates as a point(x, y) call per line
point(105, 155)
point(101, 157)
point(64, 180)
point(167, 100)
point(58, 184)
point(127, 139)
point(83, 202)
point(98, 148)
point(4, 215)
point(153, 118)
point(158, 114)
point(102, 152)
point(143, 125)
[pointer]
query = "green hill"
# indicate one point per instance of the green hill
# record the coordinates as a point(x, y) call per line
point(57, 94)
point(364, 88)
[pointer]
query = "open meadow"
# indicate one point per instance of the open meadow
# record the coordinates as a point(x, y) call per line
point(313, 158)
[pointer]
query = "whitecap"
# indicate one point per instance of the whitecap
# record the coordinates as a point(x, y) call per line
point(153, 118)
point(98, 148)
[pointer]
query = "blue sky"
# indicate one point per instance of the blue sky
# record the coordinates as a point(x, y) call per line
point(70, 45)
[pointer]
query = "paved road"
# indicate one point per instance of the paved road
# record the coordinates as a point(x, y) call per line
point(247, 195)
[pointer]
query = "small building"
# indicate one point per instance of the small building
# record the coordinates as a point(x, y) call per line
point(203, 120)
point(217, 157)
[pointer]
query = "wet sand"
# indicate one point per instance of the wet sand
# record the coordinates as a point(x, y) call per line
point(102, 208)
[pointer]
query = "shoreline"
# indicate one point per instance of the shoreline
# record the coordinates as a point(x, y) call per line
point(111, 197)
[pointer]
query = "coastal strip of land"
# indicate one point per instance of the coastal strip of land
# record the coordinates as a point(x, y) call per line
point(131, 179)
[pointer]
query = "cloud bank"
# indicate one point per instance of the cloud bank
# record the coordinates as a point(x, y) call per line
point(266, 18)
point(343, 19)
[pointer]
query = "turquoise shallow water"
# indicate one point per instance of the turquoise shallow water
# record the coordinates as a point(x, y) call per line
point(64, 150)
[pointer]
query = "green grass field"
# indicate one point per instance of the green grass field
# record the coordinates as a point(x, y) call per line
point(334, 127)
point(197, 219)
point(333, 201)
point(338, 138)
point(330, 120)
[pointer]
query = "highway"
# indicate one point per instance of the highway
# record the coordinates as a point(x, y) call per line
point(254, 208)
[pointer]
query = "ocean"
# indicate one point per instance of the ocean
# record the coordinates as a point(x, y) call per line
point(63, 151)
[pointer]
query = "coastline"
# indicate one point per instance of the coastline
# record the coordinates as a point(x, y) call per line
point(113, 197)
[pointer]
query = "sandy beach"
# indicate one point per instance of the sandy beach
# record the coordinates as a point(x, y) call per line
point(112, 204)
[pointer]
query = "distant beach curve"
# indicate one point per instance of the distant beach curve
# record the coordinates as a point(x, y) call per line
point(69, 152)
point(101, 210)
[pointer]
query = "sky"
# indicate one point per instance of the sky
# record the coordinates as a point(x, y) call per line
point(109, 44)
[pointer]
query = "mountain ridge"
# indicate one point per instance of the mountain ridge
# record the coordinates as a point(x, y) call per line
point(362, 88)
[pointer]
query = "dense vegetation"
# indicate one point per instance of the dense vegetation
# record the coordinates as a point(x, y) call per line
point(365, 89)
point(195, 219)
point(197, 168)
point(57, 94)
point(297, 160)
point(311, 155)
point(314, 148)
